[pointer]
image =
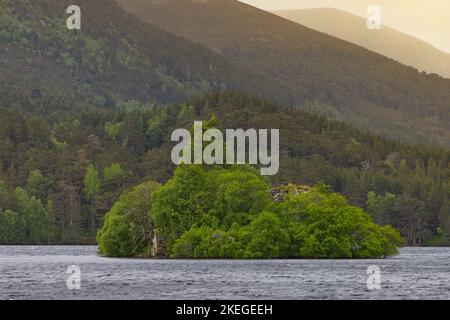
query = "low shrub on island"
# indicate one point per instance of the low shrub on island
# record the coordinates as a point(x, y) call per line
point(228, 213)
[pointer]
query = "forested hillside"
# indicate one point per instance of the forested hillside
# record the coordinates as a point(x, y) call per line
point(46, 68)
point(359, 86)
point(67, 172)
point(116, 58)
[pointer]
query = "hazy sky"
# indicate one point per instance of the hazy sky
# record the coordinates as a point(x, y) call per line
point(428, 20)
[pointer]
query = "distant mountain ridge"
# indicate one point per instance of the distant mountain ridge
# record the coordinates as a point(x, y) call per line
point(387, 41)
point(361, 87)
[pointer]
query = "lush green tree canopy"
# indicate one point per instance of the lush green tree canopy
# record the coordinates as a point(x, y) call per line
point(229, 215)
point(27, 222)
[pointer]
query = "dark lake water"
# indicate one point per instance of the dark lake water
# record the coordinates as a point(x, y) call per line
point(40, 273)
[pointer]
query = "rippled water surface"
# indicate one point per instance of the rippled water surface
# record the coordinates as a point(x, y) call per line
point(40, 273)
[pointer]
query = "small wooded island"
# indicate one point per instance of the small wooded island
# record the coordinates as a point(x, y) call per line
point(232, 213)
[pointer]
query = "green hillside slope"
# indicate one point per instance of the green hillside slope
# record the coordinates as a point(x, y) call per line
point(364, 88)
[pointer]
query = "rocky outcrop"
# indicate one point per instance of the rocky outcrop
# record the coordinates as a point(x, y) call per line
point(278, 194)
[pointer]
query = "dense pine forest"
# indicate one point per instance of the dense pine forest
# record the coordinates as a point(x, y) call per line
point(46, 68)
point(60, 175)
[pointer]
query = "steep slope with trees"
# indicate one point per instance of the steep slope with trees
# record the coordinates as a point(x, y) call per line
point(45, 68)
point(361, 87)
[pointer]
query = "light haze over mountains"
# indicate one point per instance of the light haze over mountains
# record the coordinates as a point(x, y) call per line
point(426, 20)
point(387, 41)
